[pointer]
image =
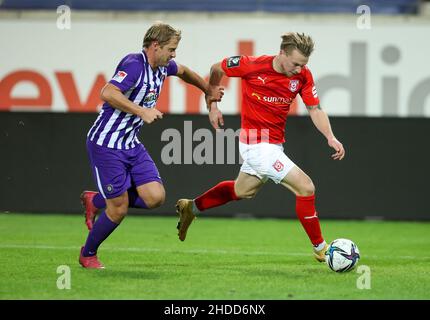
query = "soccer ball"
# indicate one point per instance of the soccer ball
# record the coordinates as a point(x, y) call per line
point(342, 255)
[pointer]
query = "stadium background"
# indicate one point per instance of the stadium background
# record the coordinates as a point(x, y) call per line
point(374, 83)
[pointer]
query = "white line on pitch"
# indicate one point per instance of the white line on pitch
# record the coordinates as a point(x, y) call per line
point(190, 251)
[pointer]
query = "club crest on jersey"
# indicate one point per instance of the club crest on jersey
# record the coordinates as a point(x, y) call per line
point(120, 75)
point(233, 61)
point(278, 166)
point(294, 84)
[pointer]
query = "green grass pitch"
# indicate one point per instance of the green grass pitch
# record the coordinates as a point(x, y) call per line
point(230, 259)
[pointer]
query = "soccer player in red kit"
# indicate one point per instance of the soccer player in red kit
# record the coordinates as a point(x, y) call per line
point(269, 86)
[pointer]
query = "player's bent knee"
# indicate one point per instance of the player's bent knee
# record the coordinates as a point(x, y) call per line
point(117, 208)
point(154, 204)
point(121, 212)
point(155, 201)
point(116, 213)
point(307, 189)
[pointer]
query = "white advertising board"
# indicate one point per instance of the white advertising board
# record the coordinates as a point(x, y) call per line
point(381, 71)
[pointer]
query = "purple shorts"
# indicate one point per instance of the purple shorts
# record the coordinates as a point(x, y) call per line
point(117, 170)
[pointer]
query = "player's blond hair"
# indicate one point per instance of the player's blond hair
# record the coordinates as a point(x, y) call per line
point(299, 41)
point(160, 32)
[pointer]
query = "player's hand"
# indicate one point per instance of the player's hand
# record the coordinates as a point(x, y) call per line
point(214, 94)
point(215, 116)
point(150, 115)
point(336, 145)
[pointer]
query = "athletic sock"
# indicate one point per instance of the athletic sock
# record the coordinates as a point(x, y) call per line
point(305, 209)
point(222, 193)
point(320, 246)
point(98, 201)
point(101, 230)
point(134, 201)
point(195, 209)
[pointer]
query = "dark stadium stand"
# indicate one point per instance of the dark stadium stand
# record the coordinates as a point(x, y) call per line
point(286, 6)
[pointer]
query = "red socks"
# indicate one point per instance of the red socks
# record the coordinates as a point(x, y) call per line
point(222, 193)
point(305, 209)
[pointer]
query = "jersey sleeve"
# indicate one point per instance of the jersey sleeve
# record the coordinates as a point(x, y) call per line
point(308, 92)
point(172, 68)
point(128, 71)
point(236, 66)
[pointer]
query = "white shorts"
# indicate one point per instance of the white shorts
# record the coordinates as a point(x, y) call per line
point(265, 160)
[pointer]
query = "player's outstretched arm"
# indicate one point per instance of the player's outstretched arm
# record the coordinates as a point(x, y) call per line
point(215, 76)
point(191, 77)
point(214, 84)
point(321, 121)
point(113, 95)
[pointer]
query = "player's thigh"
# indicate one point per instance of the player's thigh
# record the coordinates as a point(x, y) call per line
point(266, 161)
point(247, 185)
point(120, 201)
point(298, 182)
point(110, 173)
point(143, 169)
point(152, 193)
point(252, 157)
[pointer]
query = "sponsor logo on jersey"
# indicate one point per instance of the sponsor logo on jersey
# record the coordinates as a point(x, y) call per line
point(262, 79)
point(256, 95)
point(274, 100)
point(278, 166)
point(277, 100)
point(233, 61)
point(294, 84)
point(120, 75)
point(150, 99)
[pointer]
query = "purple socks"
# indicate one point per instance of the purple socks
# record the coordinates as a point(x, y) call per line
point(133, 200)
point(103, 226)
point(101, 230)
point(98, 201)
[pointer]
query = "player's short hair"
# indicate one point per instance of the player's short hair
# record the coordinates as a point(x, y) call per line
point(299, 41)
point(160, 32)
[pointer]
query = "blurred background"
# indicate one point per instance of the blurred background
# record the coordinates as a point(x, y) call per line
point(371, 72)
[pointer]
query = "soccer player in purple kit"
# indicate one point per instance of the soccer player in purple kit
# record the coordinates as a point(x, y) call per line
point(125, 174)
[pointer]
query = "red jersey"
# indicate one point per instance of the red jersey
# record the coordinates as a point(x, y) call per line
point(267, 96)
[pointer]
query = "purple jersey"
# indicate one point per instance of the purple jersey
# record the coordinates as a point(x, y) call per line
point(116, 129)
